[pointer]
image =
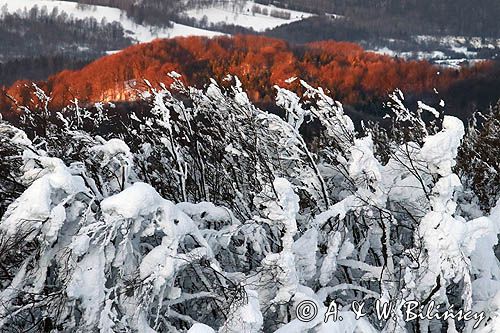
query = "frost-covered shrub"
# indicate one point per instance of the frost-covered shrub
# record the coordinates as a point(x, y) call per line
point(204, 213)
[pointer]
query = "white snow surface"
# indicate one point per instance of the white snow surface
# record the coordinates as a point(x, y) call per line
point(241, 14)
point(200, 328)
point(36, 204)
point(140, 199)
point(248, 316)
point(442, 160)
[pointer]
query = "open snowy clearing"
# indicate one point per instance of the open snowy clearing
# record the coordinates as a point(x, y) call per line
point(248, 15)
point(138, 32)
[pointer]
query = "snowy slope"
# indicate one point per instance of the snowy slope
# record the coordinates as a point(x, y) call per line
point(241, 14)
point(138, 32)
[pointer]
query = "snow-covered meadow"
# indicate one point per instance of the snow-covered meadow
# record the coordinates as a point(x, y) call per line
point(247, 14)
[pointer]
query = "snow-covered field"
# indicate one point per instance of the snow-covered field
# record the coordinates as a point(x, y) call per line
point(248, 15)
point(140, 33)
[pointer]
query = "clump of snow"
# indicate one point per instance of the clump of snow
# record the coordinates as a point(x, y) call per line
point(200, 328)
point(141, 198)
point(440, 149)
point(245, 318)
point(113, 147)
point(206, 212)
point(304, 251)
point(384, 51)
point(87, 284)
point(363, 164)
point(15, 135)
point(41, 201)
point(428, 108)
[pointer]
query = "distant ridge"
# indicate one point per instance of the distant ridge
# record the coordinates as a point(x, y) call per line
point(351, 74)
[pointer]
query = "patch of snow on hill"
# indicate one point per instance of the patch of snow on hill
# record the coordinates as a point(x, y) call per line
point(384, 51)
point(410, 55)
point(435, 57)
point(248, 14)
point(448, 51)
point(138, 32)
point(460, 41)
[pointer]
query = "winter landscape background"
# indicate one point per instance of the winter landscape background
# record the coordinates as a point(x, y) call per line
point(257, 157)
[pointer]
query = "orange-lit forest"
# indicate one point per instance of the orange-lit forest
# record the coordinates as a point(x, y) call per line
point(352, 75)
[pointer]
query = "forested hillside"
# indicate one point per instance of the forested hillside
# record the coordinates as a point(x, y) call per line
point(444, 32)
point(456, 17)
point(43, 33)
point(386, 17)
point(68, 39)
point(36, 43)
point(41, 67)
point(349, 73)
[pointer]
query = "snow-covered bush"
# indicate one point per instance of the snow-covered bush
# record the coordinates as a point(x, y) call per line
point(204, 213)
point(478, 162)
